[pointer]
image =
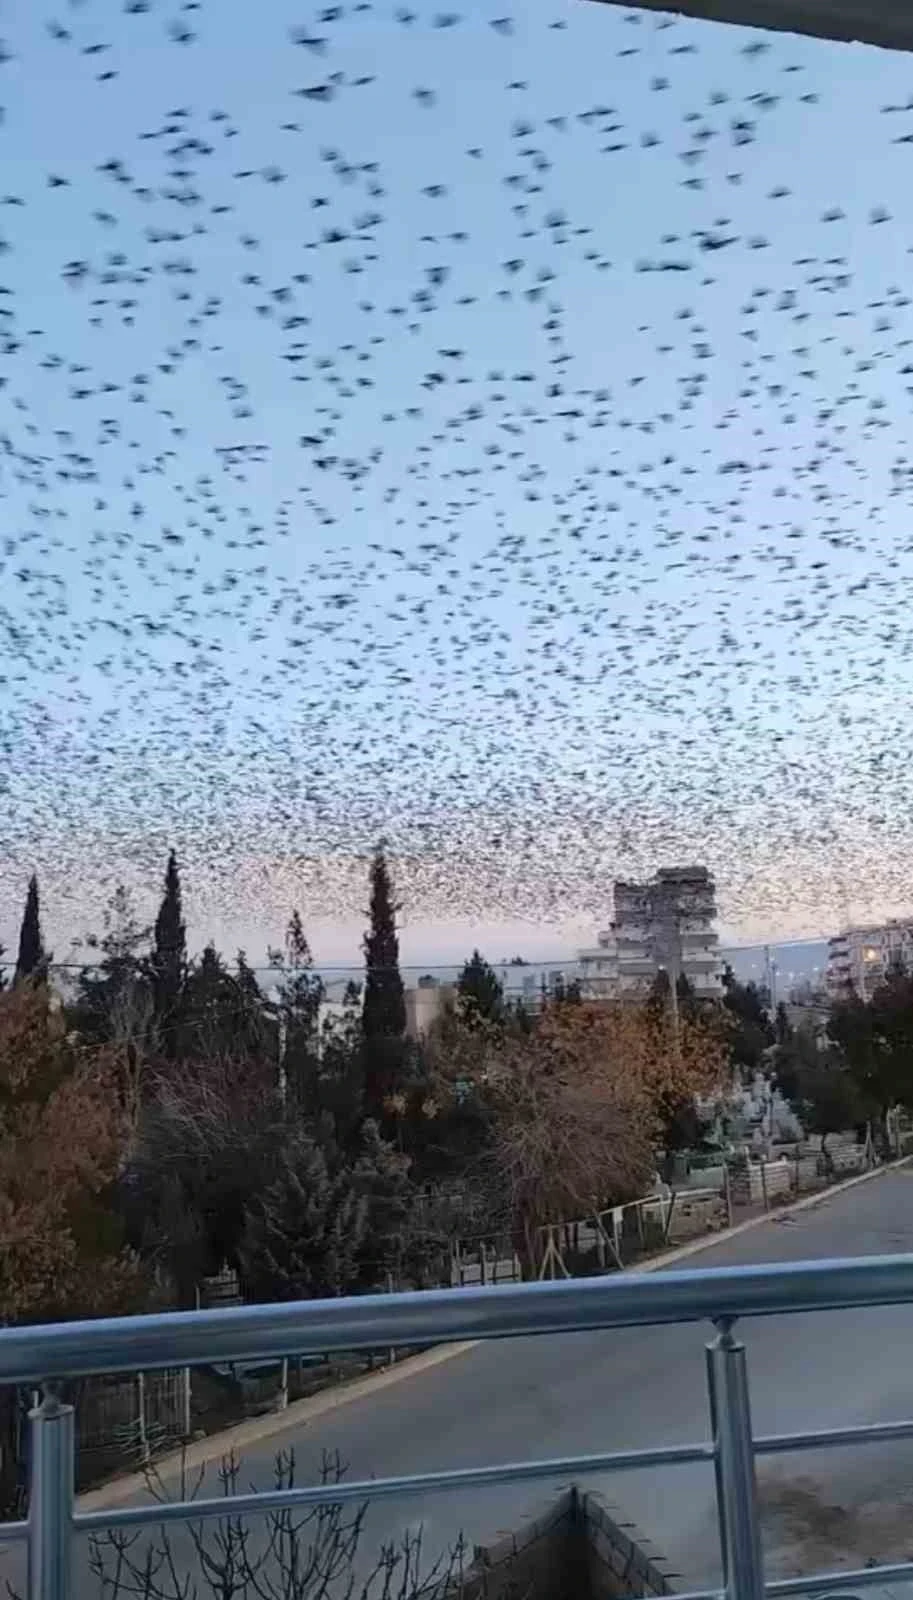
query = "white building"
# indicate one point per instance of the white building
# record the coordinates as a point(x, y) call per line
point(425, 1003)
point(668, 924)
point(859, 959)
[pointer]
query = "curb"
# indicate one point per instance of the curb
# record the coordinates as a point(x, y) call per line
point(216, 1445)
point(204, 1451)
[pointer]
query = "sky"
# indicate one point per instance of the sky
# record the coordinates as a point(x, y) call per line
point(483, 433)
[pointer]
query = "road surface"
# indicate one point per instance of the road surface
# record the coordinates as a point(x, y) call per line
point(630, 1388)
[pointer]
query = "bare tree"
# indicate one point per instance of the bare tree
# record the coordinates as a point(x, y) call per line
point(314, 1554)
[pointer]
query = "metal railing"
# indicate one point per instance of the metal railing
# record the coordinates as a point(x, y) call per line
point(41, 1356)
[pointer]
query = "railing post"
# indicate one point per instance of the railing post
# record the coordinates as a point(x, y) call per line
point(51, 1479)
point(186, 1404)
point(737, 1501)
point(717, 1464)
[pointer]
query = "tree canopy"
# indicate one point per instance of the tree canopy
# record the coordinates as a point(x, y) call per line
point(480, 990)
point(875, 1038)
point(750, 1029)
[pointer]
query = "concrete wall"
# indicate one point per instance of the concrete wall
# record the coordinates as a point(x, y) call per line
point(692, 1217)
point(539, 1560)
point(620, 1562)
point(575, 1547)
point(751, 1184)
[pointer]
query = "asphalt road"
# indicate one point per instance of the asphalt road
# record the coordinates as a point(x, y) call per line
point(628, 1388)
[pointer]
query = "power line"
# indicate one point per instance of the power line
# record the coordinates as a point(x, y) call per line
point(557, 962)
point(533, 964)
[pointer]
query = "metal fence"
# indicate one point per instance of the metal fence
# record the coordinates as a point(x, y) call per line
point(43, 1356)
point(134, 1415)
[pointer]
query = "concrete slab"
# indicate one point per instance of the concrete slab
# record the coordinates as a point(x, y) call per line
point(883, 22)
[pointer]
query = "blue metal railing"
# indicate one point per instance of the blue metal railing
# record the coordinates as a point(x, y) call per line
point(43, 1355)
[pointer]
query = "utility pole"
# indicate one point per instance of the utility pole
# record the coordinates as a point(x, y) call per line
point(673, 999)
point(770, 977)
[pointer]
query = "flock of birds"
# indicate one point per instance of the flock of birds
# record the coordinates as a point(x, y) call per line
point(488, 432)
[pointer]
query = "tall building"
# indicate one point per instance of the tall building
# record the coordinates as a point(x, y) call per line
point(859, 959)
point(668, 924)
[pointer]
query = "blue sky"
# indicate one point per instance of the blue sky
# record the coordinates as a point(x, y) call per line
point(529, 651)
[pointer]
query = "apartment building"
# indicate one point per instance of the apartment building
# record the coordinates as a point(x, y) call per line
point(667, 924)
point(859, 959)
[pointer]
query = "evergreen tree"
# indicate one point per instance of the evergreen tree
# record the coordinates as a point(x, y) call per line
point(751, 1033)
point(659, 998)
point(303, 1234)
point(382, 1181)
point(223, 1014)
point(566, 991)
point(875, 1039)
point(169, 956)
point(331, 1221)
point(480, 992)
point(252, 1030)
point(300, 994)
point(114, 1001)
point(32, 960)
point(337, 1081)
point(383, 1014)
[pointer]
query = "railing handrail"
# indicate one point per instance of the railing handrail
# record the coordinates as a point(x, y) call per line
point(30, 1354)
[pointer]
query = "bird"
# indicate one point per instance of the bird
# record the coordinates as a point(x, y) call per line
point(518, 476)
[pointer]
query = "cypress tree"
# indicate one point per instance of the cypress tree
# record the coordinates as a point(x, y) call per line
point(383, 1016)
point(32, 957)
point(169, 953)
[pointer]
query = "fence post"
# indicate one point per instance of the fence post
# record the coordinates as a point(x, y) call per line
point(600, 1244)
point(186, 1407)
point(764, 1183)
point(737, 1504)
point(51, 1480)
point(727, 1191)
point(141, 1434)
point(392, 1351)
point(483, 1265)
